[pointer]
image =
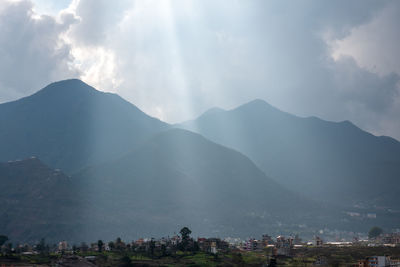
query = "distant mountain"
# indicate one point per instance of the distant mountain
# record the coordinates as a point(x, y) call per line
point(134, 175)
point(69, 125)
point(36, 201)
point(325, 160)
point(212, 111)
point(179, 178)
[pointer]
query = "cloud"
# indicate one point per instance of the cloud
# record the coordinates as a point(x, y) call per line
point(175, 59)
point(357, 85)
point(373, 79)
point(98, 18)
point(374, 45)
point(31, 51)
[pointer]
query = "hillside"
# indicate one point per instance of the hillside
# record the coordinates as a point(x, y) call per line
point(36, 202)
point(174, 179)
point(180, 178)
point(334, 161)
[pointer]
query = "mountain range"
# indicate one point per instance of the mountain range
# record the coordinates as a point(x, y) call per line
point(332, 161)
point(95, 167)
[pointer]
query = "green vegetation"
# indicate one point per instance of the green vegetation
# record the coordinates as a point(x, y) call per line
point(100, 245)
point(185, 234)
point(307, 256)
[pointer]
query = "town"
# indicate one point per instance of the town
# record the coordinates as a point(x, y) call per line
point(183, 250)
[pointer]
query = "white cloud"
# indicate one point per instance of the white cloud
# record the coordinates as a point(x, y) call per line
point(374, 45)
point(97, 66)
point(31, 51)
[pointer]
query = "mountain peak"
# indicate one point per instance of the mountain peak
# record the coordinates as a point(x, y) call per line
point(257, 105)
point(74, 81)
point(70, 125)
point(210, 111)
point(258, 101)
point(68, 87)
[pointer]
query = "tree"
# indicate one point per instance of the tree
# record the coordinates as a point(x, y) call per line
point(196, 246)
point(84, 247)
point(3, 239)
point(237, 259)
point(152, 247)
point(100, 245)
point(42, 248)
point(9, 248)
point(375, 232)
point(164, 250)
point(126, 261)
point(119, 244)
point(272, 262)
point(185, 233)
point(111, 245)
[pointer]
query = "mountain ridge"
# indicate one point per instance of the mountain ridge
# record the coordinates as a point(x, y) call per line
point(70, 125)
point(245, 171)
point(305, 154)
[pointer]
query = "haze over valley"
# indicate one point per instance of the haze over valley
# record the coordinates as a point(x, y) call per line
point(141, 176)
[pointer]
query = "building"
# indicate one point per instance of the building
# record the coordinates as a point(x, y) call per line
point(253, 245)
point(175, 240)
point(284, 246)
point(267, 240)
point(392, 238)
point(375, 261)
point(139, 242)
point(212, 245)
point(318, 241)
point(394, 262)
point(62, 246)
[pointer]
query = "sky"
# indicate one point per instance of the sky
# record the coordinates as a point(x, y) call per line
point(174, 59)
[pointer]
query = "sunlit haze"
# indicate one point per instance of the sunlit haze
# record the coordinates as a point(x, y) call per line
point(176, 59)
point(199, 133)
